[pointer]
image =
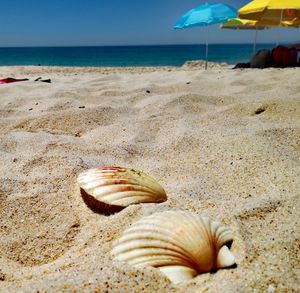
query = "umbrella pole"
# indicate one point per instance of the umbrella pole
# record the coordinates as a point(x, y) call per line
point(278, 35)
point(255, 40)
point(206, 53)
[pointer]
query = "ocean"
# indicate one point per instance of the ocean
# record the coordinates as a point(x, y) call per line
point(166, 55)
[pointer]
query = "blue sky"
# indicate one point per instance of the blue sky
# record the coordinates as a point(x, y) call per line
point(114, 22)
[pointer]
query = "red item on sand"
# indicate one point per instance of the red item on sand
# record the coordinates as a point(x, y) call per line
point(284, 56)
point(10, 79)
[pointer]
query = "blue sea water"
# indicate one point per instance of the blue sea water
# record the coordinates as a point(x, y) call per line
point(167, 55)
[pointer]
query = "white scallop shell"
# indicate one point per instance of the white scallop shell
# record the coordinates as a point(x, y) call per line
point(118, 186)
point(181, 244)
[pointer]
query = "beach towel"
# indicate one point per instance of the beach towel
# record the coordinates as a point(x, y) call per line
point(10, 80)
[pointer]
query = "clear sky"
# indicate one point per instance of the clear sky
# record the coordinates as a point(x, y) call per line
point(114, 22)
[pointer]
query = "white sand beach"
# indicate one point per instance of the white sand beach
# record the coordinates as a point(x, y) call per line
point(223, 143)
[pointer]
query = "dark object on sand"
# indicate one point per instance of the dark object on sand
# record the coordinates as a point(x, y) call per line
point(284, 57)
point(43, 80)
point(10, 80)
point(280, 56)
point(46, 80)
point(262, 59)
point(242, 65)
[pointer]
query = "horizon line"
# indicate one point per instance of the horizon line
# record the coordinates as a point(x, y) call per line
point(140, 45)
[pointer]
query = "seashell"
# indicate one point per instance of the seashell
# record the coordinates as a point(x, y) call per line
point(117, 187)
point(181, 244)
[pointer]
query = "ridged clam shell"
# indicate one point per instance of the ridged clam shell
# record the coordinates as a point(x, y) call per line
point(120, 187)
point(181, 244)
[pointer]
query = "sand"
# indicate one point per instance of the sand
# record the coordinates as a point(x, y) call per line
point(223, 143)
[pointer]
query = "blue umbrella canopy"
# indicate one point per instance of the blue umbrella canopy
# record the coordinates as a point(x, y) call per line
point(204, 15)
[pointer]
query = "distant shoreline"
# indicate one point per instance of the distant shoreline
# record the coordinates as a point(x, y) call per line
point(126, 56)
point(164, 45)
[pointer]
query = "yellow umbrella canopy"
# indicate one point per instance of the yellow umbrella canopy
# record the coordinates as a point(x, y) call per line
point(238, 23)
point(274, 10)
point(294, 23)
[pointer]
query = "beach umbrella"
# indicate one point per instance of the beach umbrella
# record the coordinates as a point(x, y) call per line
point(274, 10)
point(206, 15)
point(279, 11)
point(238, 23)
point(246, 24)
